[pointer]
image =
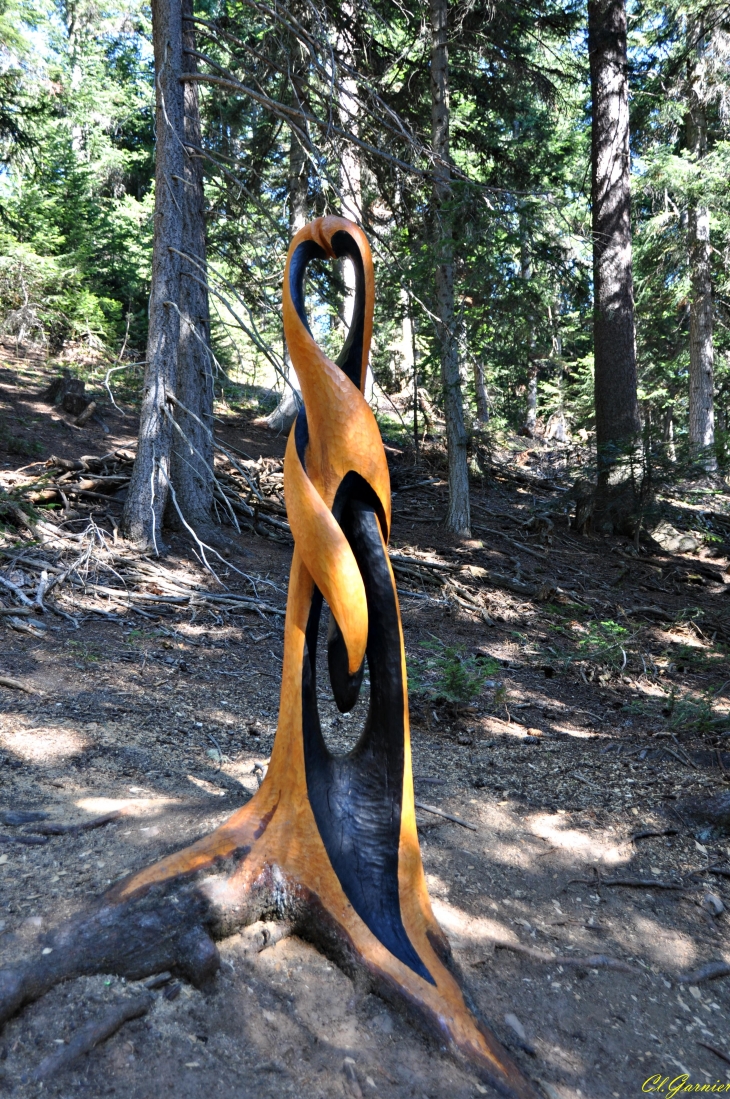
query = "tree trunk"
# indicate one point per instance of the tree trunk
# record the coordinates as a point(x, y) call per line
point(669, 434)
point(192, 460)
point(285, 413)
point(351, 177)
point(530, 423)
point(618, 424)
point(528, 428)
point(480, 390)
point(701, 354)
point(350, 167)
point(148, 488)
point(458, 517)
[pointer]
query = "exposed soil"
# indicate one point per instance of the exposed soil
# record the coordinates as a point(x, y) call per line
point(579, 737)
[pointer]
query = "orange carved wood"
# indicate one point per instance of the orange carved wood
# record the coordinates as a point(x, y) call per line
point(282, 845)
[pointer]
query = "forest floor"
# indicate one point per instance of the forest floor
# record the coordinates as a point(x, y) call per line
point(599, 709)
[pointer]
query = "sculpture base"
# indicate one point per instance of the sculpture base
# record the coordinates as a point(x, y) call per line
point(265, 862)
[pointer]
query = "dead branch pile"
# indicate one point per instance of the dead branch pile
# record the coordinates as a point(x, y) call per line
point(90, 477)
point(423, 577)
point(47, 570)
point(102, 580)
point(95, 573)
point(467, 586)
point(253, 489)
point(247, 490)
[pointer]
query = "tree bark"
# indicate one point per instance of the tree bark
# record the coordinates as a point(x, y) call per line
point(701, 352)
point(351, 177)
point(458, 518)
point(530, 423)
point(617, 410)
point(148, 488)
point(192, 461)
point(668, 434)
point(285, 413)
point(528, 428)
point(480, 390)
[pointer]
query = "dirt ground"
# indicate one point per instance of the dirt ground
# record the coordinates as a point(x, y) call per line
point(580, 737)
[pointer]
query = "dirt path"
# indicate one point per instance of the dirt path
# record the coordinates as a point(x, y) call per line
point(593, 719)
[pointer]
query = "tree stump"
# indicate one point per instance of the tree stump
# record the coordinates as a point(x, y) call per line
point(328, 843)
point(67, 393)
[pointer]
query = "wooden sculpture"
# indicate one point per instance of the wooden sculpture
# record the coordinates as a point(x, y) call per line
point(328, 842)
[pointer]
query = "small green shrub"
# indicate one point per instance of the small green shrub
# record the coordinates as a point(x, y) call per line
point(606, 643)
point(695, 715)
point(448, 672)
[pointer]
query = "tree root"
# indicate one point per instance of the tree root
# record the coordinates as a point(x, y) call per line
point(89, 1036)
point(169, 917)
point(593, 961)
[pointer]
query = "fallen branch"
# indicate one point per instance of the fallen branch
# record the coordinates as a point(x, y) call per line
point(29, 841)
point(422, 562)
point(594, 961)
point(13, 817)
point(718, 1052)
point(520, 546)
point(52, 829)
point(649, 832)
point(89, 1036)
point(16, 592)
point(541, 592)
point(16, 685)
point(709, 972)
point(447, 816)
point(630, 883)
point(511, 474)
point(36, 630)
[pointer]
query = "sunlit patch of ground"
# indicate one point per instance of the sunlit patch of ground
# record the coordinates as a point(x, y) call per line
point(41, 744)
point(670, 949)
point(580, 846)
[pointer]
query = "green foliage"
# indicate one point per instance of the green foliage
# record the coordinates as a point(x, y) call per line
point(76, 205)
point(76, 137)
point(448, 672)
point(84, 653)
point(606, 643)
point(692, 714)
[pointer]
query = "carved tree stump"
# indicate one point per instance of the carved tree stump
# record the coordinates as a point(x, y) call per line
point(328, 843)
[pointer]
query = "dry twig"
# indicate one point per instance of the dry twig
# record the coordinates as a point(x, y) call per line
point(447, 816)
point(709, 972)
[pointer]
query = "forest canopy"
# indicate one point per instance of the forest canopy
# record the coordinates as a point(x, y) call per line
point(315, 109)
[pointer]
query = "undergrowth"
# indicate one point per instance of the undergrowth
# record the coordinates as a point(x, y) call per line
point(449, 673)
